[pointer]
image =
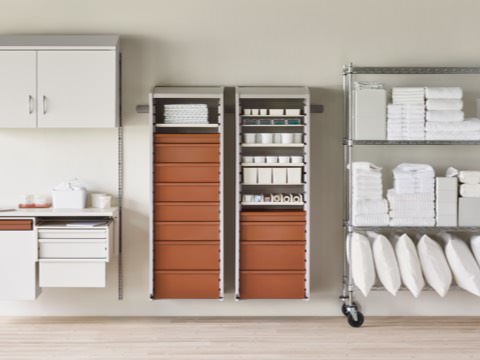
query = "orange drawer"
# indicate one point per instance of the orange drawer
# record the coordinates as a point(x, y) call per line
point(187, 192)
point(272, 255)
point(187, 153)
point(186, 285)
point(272, 284)
point(187, 138)
point(273, 215)
point(187, 255)
point(187, 173)
point(15, 225)
point(272, 231)
point(169, 231)
point(187, 212)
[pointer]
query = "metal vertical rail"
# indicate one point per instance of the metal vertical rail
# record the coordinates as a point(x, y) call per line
point(221, 130)
point(120, 184)
point(238, 159)
point(307, 196)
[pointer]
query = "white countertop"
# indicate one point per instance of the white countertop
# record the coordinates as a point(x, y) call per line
point(51, 212)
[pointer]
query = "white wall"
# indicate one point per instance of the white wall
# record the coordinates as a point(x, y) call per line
point(226, 42)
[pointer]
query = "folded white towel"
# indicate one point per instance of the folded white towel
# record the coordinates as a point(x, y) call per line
point(471, 124)
point(365, 166)
point(406, 213)
point(367, 194)
point(394, 196)
point(443, 93)
point(405, 205)
point(412, 221)
point(453, 135)
point(444, 104)
point(445, 115)
point(469, 177)
point(470, 190)
point(365, 207)
point(413, 169)
point(371, 220)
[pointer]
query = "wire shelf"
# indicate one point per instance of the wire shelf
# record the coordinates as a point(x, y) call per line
point(416, 70)
point(411, 142)
point(416, 228)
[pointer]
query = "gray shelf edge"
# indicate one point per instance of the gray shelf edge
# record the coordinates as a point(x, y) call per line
point(412, 70)
point(314, 109)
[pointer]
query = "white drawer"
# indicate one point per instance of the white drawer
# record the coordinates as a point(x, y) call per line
point(47, 233)
point(72, 249)
point(72, 273)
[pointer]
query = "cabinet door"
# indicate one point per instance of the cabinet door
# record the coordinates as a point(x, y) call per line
point(77, 89)
point(17, 89)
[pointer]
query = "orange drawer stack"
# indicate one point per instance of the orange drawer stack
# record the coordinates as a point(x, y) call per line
point(186, 216)
point(272, 254)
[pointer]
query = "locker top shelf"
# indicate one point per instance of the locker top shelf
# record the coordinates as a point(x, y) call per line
point(413, 70)
point(59, 42)
point(273, 92)
point(188, 92)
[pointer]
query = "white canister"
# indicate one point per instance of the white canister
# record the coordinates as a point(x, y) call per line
point(249, 138)
point(263, 111)
point(265, 176)
point(259, 159)
point(248, 198)
point(247, 111)
point(272, 159)
point(248, 159)
point(101, 201)
point(250, 175)
point(296, 159)
point(284, 159)
point(25, 199)
point(292, 112)
point(39, 199)
point(287, 138)
point(255, 111)
point(258, 198)
point(277, 138)
point(264, 138)
point(280, 175)
point(294, 176)
point(276, 112)
point(297, 138)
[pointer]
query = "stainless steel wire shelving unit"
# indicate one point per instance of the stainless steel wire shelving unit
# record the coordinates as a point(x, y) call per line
point(349, 307)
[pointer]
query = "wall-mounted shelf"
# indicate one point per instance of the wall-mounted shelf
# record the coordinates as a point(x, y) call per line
point(187, 125)
point(267, 268)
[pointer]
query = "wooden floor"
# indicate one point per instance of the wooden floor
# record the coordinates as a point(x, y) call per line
point(239, 339)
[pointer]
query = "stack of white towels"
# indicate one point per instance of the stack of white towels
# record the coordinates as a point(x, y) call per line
point(412, 200)
point(185, 114)
point(445, 118)
point(368, 205)
point(469, 183)
point(406, 116)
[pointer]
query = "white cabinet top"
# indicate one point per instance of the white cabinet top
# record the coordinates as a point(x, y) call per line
point(188, 92)
point(59, 42)
point(272, 92)
point(50, 212)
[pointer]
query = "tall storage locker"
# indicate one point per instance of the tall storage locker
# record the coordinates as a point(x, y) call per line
point(272, 197)
point(186, 253)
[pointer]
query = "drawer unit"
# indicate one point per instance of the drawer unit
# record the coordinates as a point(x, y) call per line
point(272, 284)
point(272, 231)
point(273, 215)
point(272, 255)
point(187, 212)
point(187, 255)
point(187, 138)
point(187, 153)
point(72, 273)
point(171, 192)
point(165, 231)
point(72, 249)
point(186, 173)
point(186, 285)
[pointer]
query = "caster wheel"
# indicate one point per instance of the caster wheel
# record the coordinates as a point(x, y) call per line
point(355, 323)
point(345, 308)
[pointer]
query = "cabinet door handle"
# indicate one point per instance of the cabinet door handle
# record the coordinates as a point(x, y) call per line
point(44, 104)
point(30, 104)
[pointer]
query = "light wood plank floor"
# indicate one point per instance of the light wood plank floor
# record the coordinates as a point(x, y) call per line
point(239, 338)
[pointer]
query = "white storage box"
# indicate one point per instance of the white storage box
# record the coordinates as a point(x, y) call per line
point(249, 175)
point(265, 175)
point(294, 176)
point(279, 175)
point(69, 199)
point(370, 114)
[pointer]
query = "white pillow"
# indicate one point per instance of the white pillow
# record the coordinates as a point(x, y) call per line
point(475, 245)
point(434, 265)
point(409, 265)
point(464, 267)
point(363, 269)
point(386, 263)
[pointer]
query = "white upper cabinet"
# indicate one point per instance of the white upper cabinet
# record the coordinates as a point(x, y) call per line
point(59, 81)
point(17, 89)
point(76, 89)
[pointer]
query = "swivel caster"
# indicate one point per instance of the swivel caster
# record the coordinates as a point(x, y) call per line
point(345, 308)
point(355, 319)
